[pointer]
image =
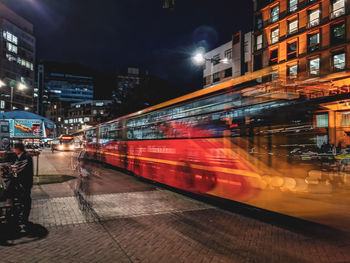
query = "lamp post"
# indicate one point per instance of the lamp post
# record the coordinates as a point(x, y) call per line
point(199, 60)
point(12, 84)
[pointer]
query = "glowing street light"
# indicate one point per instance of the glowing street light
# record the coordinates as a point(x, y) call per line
point(198, 59)
point(21, 86)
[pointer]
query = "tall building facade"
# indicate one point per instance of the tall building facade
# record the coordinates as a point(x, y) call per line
point(75, 117)
point(17, 59)
point(61, 82)
point(303, 40)
point(305, 44)
point(230, 60)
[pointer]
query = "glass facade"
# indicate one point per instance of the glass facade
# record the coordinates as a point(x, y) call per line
point(70, 88)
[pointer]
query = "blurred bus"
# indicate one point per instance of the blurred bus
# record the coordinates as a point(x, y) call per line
point(63, 143)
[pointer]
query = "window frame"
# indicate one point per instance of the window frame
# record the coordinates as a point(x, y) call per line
point(309, 21)
point(336, 53)
point(319, 66)
point(290, 55)
point(257, 45)
point(314, 47)
point(333, 40)
point(290, 8)
point(294, 76)
point(278, 35)
point(275, 60)
point(297, 27)
point(339, 11)
point(274, 18)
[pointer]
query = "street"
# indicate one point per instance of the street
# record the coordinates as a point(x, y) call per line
point(135, 221)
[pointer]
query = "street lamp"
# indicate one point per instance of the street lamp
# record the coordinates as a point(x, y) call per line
point(199, 59)
point(20, 86)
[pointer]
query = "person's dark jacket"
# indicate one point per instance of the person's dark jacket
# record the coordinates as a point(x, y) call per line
point(26, 175)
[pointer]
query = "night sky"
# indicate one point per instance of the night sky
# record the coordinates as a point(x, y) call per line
point(111, 34)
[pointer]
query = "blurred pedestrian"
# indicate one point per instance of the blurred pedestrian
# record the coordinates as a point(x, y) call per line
point(25, 177)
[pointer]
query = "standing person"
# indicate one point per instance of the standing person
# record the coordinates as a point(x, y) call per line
point(25, 176)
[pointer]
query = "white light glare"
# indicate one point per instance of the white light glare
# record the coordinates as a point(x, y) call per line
point(198, 59)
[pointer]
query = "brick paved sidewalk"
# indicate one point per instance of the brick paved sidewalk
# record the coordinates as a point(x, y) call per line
point(156, 225)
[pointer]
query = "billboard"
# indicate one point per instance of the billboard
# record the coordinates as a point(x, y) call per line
point(4, 135)
point(27, 129)
point(49, 129)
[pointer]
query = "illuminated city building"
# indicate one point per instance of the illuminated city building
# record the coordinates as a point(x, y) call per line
point(17, 56)
point(306, 45)
point(230, 60)
point(74, 117)
point(302, 40)
point(63, 82)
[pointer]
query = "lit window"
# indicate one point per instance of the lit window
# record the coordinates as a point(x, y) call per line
point(86, 119)
point(259, 21)
point(314, 17)
point(10, 57)
point(293, 5)
point(322, 120)
point(314, 66)
point(59, 119)
point(259, 42)
point(2, 104)
point(275, 13)
point(337, 33)
point(292, 50)
point(293, 26)
point(274, 56)
point(339, 61)
point(10, 37)
point(338, 8)
point(11, 47)
point(313, 42)
point(345, 119)
point(275, 35)
point(292, 71)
